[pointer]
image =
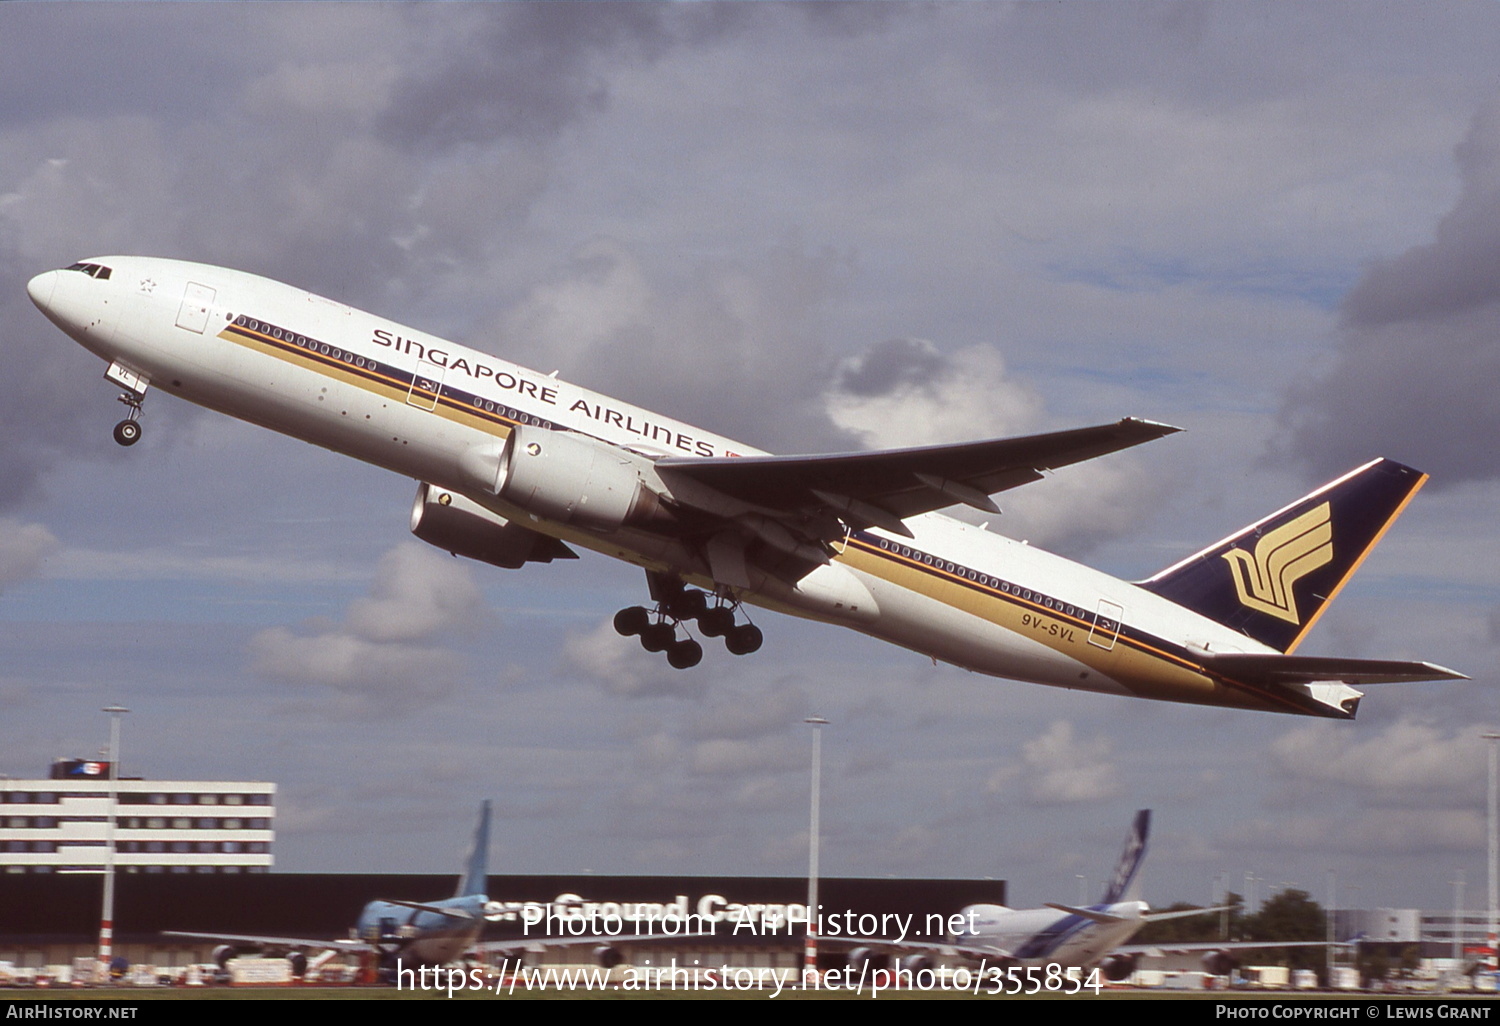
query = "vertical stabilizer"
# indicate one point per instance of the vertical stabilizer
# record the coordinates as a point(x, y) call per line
point(475, 879)
point(1272, 580)
point(1122, 884)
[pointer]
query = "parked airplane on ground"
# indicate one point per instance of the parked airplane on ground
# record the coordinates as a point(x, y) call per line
point(418, 933)
point(516, 466)
point(1070, 936)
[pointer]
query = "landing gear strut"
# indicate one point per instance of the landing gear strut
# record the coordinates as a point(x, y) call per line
point(134, 383)
point(675, 606)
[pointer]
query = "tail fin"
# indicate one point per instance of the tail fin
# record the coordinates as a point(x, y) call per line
point(1120, 884)
point(1272, 580)
point(476, 867)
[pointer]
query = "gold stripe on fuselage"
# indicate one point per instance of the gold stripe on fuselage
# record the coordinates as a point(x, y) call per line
point(392, 384)
point(1143, 666)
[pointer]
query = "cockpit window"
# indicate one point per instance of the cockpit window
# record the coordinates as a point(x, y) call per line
point(92, 270)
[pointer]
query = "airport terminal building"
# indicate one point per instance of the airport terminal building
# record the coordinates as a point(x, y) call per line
point(62, 824)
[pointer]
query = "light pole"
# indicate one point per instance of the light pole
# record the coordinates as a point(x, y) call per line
point(1492, 737)
point(1458, 905)
point(107, 916)
point(810, 951)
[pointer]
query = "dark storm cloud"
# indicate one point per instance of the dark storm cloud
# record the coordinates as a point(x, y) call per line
point(890, 365)
point(1418, 348)
point(527, 70)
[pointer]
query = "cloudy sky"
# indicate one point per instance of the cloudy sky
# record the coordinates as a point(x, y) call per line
point(810, 227)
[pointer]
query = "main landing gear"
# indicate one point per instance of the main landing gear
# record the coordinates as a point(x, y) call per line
point(657, 628)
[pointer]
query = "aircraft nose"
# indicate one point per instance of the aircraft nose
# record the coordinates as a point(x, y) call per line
point(40, 289)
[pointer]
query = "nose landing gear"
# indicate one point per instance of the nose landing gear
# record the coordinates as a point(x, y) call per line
point(657, 628)
point(128, 431)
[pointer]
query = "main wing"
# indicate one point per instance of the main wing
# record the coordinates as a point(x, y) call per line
point(881, 488)
point(321, 944)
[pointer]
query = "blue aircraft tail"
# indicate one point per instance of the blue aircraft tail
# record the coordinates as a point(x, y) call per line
point(475, 879)
point(1272, 580)
point(1130, 860)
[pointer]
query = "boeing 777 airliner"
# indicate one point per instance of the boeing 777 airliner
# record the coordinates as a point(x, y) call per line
point(515, 466)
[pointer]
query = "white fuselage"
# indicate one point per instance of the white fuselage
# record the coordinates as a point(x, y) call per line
point(421, 937)
point(1046, 936)
point(390, 395)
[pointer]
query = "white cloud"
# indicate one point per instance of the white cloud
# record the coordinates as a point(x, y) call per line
point(374, 658)
point(23, 550)
point(1406, 758)
point(1058, 767)
point(908, 392)
point(621, 667)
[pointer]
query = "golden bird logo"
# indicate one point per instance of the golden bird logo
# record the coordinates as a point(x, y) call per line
point(1282, 558)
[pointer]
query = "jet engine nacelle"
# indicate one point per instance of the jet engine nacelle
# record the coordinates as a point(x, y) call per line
point(607, 957)
point(461, 526)
point(873, 959)
point(222, 954)
point(916, 963)
point(570, 479)
point(1116, 967)
point(1219, 963)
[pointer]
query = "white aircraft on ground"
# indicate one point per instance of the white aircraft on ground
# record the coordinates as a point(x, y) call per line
point(418, 933)
point(407, 935)
point(516, 466)
point(1083, 938)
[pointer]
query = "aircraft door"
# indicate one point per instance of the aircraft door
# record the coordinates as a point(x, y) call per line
point(1106, 626)
point(426, 385)
point(196, 301)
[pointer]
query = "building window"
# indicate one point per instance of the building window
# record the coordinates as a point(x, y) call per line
point(208, 799)
point(182, 824)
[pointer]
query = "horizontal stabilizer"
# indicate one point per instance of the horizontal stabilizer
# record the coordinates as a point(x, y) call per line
point(437, 910)
point(1265, 669)
point(1098, 916)
point(1183, 913)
